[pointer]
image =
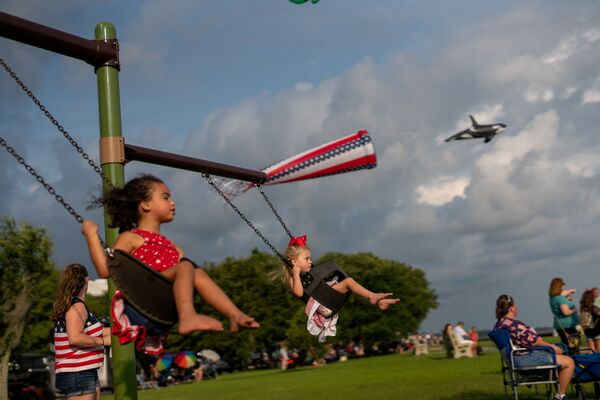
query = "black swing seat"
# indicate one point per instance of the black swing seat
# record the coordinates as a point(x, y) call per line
point(147, 290)
point(315, 285)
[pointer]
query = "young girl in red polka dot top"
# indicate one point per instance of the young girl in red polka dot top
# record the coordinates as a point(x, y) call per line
point(138, 209)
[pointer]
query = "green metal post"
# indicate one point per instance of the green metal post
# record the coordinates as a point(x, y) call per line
point(109, 104)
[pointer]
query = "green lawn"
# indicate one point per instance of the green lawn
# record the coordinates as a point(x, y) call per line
point(374, 378)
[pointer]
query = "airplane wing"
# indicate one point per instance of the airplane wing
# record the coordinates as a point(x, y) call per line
point(459, 136)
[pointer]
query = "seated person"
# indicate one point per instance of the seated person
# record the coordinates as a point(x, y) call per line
point(463, 338)
point(474, 336)
point(447, 342)
point(523, 335)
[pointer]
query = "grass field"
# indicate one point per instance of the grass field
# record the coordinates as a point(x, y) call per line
point(378, 378)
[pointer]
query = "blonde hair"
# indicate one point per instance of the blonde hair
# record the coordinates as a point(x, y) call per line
point(73, 280)
point(291, 253)
point(556, 287)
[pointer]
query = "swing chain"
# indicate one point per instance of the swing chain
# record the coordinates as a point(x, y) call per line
point(264, 195)
point(208, 179)
point(46, 185)
point(60, 128)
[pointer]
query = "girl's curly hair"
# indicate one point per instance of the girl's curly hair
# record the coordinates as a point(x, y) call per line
point(121, 204)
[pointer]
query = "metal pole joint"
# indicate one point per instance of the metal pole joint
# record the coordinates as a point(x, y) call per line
point(113, 61)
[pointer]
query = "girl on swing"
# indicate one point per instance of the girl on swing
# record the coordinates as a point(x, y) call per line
point(321, 322)
point(138, 209)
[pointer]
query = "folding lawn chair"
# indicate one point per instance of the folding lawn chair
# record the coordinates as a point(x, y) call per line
point(525, 367)
point(587, 370)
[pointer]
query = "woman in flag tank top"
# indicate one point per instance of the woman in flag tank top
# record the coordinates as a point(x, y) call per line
point(79, 338)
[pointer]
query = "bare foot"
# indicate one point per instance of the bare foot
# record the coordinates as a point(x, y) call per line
point(197, 322)
point(376, 297)
point(242, 321)
point(384, 304)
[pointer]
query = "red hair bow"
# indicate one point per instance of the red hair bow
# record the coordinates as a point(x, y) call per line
point(298, 241)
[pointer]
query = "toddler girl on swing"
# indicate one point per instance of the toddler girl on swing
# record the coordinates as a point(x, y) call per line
point(138, 210)
point(321, 322)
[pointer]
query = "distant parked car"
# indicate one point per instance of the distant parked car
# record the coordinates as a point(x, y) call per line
point(30, 377)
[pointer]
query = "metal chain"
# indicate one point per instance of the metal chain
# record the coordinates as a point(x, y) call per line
point(243, 217)
point(46, 185)
point(60, 128)
point(264, 195)
point(108, 182)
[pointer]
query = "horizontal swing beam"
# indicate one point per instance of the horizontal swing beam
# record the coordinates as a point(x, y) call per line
point(93, 52)
point(136, 153)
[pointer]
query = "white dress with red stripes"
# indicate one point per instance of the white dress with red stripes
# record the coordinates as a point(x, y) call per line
point(72, 358)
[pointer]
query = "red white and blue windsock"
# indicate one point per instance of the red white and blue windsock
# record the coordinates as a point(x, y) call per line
point(350, 153)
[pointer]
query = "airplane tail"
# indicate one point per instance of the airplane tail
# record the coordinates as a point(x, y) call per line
point(475, 123)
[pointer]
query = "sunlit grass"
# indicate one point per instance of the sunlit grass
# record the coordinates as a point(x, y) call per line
point(378, 378)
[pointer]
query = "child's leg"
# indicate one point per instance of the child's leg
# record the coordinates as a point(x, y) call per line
point(214, 295)
point(351, 285)
point(381, 299)
point(183, 290)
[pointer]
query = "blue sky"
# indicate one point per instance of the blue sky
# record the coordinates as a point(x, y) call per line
point(250, 83)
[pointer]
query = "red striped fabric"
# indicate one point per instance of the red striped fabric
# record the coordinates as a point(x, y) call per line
point(72, 358)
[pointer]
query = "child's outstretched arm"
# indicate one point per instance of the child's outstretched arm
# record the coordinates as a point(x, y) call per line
point(295, 282)
point(127, 241)
point(90, 231)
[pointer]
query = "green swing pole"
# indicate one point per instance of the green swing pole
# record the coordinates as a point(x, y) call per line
point(109, 105)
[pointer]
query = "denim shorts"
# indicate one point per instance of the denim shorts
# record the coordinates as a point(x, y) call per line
point(77, 383)
point(136, 318)
point(533, 359)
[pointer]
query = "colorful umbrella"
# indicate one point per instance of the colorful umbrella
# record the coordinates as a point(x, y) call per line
point(350, 153)
point(185, 359)
point(164, 362)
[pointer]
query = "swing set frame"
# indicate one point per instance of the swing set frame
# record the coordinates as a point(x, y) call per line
point(103, 54)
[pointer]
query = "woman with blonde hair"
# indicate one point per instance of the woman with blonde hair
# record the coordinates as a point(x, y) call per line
point(79, 338)
point(563, 309)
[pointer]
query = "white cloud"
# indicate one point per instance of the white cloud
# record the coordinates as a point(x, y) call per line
point(591, 95)
point(97, 287)
point(535, 94)
point(442, 191)
point(591, 35)
point(565, 49)
point(568, 92)
point(303, 87)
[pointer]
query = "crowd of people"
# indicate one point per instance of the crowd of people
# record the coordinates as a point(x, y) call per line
point(150, 377)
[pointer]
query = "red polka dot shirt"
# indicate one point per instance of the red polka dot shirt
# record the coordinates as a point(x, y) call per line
point(157, 252)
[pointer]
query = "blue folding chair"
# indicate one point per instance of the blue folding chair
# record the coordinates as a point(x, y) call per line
point(525, 367)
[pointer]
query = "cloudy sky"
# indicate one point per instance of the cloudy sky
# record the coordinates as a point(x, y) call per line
point(250, 83)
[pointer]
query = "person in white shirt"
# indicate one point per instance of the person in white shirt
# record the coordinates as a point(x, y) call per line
point(462, 337)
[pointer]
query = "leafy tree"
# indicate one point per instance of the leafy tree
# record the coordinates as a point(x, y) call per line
point(252, 286)
point(25, 267)
point(38, 335)
point(361, 321)
point(99, 305)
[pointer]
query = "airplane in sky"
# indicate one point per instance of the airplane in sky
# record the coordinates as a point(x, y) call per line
point(478, 131)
